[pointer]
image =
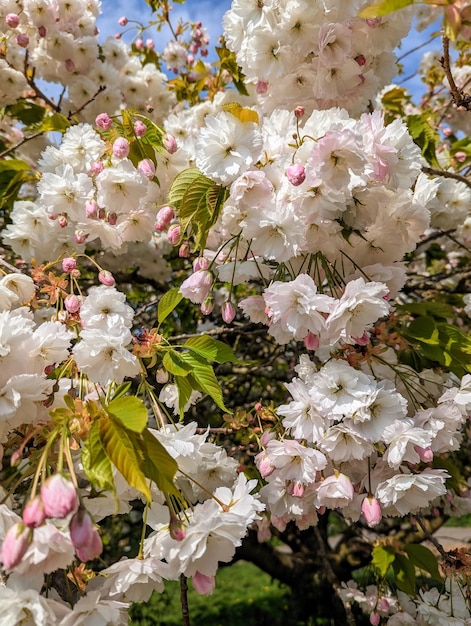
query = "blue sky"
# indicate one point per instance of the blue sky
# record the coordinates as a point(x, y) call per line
point(210, 12)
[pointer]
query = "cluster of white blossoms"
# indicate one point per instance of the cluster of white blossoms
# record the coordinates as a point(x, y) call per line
point(350, 444)
point(314, 53)
point(86, 196)
point(27, 350)
point(59, 39)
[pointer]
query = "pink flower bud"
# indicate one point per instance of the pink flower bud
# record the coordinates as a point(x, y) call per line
point(228, 312)
point(264, 464)
point(106, 278)
point(375, 618)
point(203, 584)
point(298, 490)
point(72, 304)
point(81, 527)
point(103, 121)
point(150, 45)
point(447, 132)
point(101, 214)
point(42, 31)
point(59, 497)
point(266, 437)
point(121, 148)
point(383, 605)
point(296, 174)
point(184, 251)
point(16, 457)
point(361, 60)
point(69, 264)
point(460, 156)
point(425, 454)
point(200, 263)
point(34, 514)
point(262, 87)
point(80, 237)
point(311, 341)
point(299, 111)
point(93, 549)
point(62, 221)
point(140, 128)
point(15, 544)
point(91, 208)
point(371, 510)
point(147, 167)
point(96, 167)
point(123, 21)
point(12, 20)
point(207, 306)
point(173, 234)
point(176, 528)
point(165, 215)
point(112, 219)
point(139, 44)
point(22, 40)
point(170, 143)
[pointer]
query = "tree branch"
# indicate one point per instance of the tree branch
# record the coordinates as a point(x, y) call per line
point(434, 172)
point(459, 97)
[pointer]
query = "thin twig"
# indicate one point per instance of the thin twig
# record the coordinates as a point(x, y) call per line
point(9, 266)
point(20, 143)
point(435, 172)
point(428, 535)
point(412, 50)
point(459, 97)
point(89, 101)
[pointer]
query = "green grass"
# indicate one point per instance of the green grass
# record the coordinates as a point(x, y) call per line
point(244, 596)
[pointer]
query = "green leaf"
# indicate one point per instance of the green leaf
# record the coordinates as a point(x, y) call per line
point(130, 411)
point(175, 364)
point(384, 8)
point(457, 482)
point(424, 559)
point(158, 465)
point(211, 349)
point(405, 574)
point(198, 201)
point(120, 447)
point(122, 390)
point(382, 558)
point(438, 310)
point(96, 464)
point(14, 165)
point(167, 303)
point(56, 122)
point(228, 62)
point(205, 378)
point(26, 112)
point(422, 130)
point(185, 387)
point(424, 330)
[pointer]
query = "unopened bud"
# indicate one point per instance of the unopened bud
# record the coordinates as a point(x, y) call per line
point(173, 234)
point(103, 121)
point(147, 167)
point(59, 497)
point(296, 174)
point(12, 20)
point(72, 304)
point(123, 21)
point(299, 111)
point(371, 511)
point(170, 143)
point(34, 514)
point(22, 40)
point(106, 278)
point(228, 312)
point(69, 264)
point(140, 128)
point(121, 148)
point(15, 544)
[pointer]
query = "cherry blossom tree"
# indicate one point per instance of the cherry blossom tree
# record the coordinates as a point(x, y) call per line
point(234, 300)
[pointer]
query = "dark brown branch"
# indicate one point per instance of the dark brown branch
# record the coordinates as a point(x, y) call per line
point(20, 143)
point(434, 172)
point(85, 104)
point(184, 600)
point(459, 97)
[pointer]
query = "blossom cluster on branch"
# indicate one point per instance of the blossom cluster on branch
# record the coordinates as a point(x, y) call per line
point(306, 204)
